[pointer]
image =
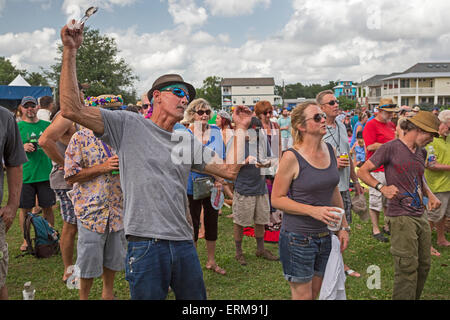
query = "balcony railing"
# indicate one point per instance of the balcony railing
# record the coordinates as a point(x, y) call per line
point(409, 91)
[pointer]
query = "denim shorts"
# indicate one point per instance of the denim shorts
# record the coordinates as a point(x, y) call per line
point(154, 265)
point(303, 256)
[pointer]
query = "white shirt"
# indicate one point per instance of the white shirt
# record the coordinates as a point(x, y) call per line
point(333, 285)
point(44, 114)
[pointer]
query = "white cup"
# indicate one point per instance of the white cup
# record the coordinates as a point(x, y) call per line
point(336, 226)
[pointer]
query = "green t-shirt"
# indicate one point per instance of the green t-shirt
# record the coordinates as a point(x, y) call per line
point(439, 181)
point(39, 166)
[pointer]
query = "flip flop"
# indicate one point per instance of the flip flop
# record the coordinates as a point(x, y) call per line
point(352, 273)
point(216, 269)
point(434, 252)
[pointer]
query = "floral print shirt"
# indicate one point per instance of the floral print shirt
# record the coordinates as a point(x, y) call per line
point(100, 200)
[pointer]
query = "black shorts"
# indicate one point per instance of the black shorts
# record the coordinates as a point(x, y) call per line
point(46, 195)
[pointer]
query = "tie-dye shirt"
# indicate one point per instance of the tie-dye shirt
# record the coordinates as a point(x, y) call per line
point(99, 200)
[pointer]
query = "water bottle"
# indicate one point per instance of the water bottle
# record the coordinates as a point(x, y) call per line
point(431, 155)
point(28, 291)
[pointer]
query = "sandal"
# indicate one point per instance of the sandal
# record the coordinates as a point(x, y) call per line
point(216, 269)
point(352, 273)
point(386, 231)
point(380, 237)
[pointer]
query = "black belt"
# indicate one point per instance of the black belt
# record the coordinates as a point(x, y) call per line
point(318, 235)
point(131, 238)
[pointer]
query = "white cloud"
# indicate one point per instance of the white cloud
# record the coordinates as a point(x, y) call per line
point(75, 9)
point(186, 13)
point(28, 50)
point(231, 8)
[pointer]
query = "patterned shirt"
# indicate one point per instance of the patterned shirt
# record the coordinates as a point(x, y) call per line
point(100, 200)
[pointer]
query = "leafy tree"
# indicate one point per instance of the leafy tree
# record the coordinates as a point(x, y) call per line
point(36, 79)
point(8, 72)
point(299, 90)
point(346, 103)
point(211, 91)
point(98, 65)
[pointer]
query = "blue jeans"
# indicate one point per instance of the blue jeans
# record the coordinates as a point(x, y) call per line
point(151, 266)
point(303, 257)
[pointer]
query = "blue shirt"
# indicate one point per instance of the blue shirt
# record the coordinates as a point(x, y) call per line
point(214, 143)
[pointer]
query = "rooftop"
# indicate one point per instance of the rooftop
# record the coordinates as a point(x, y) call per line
point(429, 67)
point(239, 82)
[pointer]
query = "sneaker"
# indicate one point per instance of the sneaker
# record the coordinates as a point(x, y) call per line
point(240, 258)
point(266, 254)
point(380, 237)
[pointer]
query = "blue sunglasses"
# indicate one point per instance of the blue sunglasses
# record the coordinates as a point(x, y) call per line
point(178, 92)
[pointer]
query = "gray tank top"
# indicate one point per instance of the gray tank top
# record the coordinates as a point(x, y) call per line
point(57, 181)
point(312, 187)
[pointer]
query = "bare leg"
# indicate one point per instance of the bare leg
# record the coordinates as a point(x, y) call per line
point(4, 293)
point(440, 230)
point(66, 244)
point(108, 284)
point(22, 215)
point(374, 218)
point(48, 215)
point(85, 288)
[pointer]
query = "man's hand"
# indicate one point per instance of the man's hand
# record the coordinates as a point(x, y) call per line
point(358, 188)
point(343, 162)
point(8, 214)
point(433, 202)
point(343, 239)
point(242, 116)
point(72, 39)
point(389, 192)
point(111, 164)
point(29, 147)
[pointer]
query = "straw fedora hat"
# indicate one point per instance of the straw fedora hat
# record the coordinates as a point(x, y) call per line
point(387, 104)
point(167, 80)
point(426, 121)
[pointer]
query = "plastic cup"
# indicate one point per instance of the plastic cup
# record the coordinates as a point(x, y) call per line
point(336, 226)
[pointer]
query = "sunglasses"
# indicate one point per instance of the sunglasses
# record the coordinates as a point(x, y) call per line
point(26, 106)
point(202, 112)
point(145, 106)
point(317, 117)
point(178, 92)
point(332, 102)
point(268, 113)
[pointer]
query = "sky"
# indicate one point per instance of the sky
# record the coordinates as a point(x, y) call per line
point(307, 41)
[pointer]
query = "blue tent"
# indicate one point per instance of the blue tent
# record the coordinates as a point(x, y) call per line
point(10, 96)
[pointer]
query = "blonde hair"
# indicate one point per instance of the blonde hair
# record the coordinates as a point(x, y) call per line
point(320, 95)
point(194, 106)
point(298, 117)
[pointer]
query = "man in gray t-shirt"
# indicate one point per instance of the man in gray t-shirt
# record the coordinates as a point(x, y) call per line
point(13, 155)
point(154, 168)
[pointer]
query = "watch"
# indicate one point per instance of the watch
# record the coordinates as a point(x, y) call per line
point(348, 229)
point(379, 186)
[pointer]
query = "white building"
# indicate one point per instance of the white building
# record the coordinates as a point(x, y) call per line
point(248, 91)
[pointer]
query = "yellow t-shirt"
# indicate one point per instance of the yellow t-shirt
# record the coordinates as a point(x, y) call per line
point(439, 181)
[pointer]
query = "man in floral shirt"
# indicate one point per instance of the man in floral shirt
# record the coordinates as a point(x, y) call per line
point(92, 167)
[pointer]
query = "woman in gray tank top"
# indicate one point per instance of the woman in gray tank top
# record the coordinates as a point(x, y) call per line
point(306, 189)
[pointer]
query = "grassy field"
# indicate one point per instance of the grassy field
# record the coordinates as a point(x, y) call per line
point(259, 280)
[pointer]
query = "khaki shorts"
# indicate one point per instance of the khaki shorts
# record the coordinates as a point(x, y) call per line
point(250, 210)
point(3, 255)
point(376, 199)
point(444, 210)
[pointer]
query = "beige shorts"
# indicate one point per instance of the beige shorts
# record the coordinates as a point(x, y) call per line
point(3, 255)
point(250, 210)
point(376, 199)
point(444, 210)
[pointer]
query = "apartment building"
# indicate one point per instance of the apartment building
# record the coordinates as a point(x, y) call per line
point(248, 91)
point(346, 89)
point(423, 83)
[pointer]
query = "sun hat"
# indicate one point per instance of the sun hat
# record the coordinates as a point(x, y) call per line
point(105, 101)
point(416, 109)
point(169, 79)
point(387, 104)
point(426, 121)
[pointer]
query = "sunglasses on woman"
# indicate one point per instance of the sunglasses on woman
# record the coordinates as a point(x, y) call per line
point(268, 113)
point(178, 92)
point(317, 117)
point(202, 112)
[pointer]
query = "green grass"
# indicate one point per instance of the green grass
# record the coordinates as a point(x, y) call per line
point(259, 280)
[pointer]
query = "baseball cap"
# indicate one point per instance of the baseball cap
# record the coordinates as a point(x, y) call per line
point(28, 99)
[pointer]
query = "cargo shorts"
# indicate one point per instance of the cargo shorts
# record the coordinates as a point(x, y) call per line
point(376, 199)
point(250, 210)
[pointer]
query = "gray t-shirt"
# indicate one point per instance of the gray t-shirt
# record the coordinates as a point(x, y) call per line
point(338, 138)
point(152, 178)
point(11, 147)
point(57, 181)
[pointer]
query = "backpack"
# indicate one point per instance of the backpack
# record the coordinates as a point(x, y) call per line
point(46, 242)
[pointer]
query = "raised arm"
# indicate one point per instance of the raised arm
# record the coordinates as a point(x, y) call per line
point(71, 106)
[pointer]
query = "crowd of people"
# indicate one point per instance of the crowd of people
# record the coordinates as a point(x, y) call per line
point(99, 162)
